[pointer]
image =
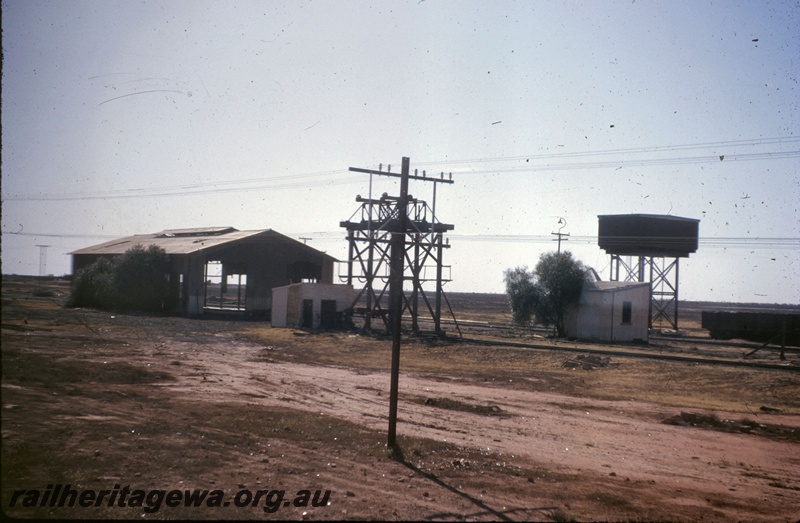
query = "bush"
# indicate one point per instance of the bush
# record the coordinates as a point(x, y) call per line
point(137, 280)
point(140, 279)
point(547, 291)
point(93, 286)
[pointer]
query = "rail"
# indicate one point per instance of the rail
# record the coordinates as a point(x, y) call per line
point(660, 348)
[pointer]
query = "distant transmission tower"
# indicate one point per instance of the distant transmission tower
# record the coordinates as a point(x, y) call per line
point(43, 259)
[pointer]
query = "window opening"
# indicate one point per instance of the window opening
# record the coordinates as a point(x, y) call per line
point(627, 310)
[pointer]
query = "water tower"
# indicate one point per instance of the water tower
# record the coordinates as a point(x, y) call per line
point(638, 242)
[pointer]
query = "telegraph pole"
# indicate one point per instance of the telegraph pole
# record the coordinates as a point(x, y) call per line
point(397, 269)
point(564, 236)
point(398, 225)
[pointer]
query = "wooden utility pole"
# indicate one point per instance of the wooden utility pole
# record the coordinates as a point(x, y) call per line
point(397, 269)
point(400, 226)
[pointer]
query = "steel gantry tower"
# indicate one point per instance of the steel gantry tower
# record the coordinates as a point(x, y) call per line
point(397, 235)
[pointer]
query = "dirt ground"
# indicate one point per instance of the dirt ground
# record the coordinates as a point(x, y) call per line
point(102, 400)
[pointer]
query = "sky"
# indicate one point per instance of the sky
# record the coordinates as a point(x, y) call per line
point(125, 117)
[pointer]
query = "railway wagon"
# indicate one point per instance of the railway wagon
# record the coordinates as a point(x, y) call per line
point(753, 326)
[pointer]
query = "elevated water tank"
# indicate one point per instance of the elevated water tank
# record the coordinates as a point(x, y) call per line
point(648, 235)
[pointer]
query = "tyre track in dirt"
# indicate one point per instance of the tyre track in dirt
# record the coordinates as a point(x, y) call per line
point(624, 441)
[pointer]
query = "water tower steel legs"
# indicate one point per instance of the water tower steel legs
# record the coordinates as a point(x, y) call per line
point(663, 284)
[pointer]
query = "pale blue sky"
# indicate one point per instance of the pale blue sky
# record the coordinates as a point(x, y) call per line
point(113, 113)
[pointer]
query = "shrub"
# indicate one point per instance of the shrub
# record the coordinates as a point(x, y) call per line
point(547, 291)
point(140, 279)
point(137, 280)
point(93, 286)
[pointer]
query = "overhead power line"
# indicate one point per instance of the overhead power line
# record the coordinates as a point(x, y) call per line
point(630, 150)
point(340, 176)
point(709, 241)
point(224, 186)
point(640, 163)
point(703, 241)
point(55, 235)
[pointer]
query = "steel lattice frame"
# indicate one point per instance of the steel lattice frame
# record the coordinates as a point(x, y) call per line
point(663, 283)
point(369, 234)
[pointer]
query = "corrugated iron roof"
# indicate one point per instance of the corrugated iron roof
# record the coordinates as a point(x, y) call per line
point(188, 241)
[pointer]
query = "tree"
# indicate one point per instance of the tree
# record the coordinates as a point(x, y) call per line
point(140, 279)
point(93, 286)
point(522, 294)
point(546, 292)
point(137, 280)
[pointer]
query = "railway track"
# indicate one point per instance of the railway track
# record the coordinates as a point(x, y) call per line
point(660, 347)
point(637, 353)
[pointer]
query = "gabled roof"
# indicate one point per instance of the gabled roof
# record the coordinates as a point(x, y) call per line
point(189, 241)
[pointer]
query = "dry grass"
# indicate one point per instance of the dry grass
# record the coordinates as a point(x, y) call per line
point(492, 308)
point(676, 384)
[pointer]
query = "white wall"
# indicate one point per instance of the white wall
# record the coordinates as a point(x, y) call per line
point(280, 296)
point(287, 302)
point(598, 316)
